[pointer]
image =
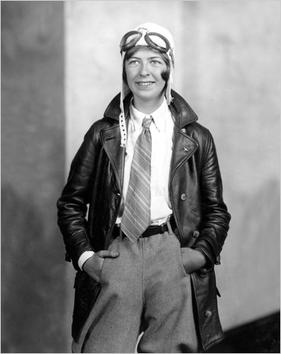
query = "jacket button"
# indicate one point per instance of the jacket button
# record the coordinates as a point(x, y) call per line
point(203, 271)
point(183, 196)
point(208, 313)
point(195, 234)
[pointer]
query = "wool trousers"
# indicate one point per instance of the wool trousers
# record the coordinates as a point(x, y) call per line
point(147, 291)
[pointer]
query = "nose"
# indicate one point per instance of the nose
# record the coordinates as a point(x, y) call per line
point(143, 70)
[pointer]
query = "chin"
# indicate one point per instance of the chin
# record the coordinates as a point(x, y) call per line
point(148, 95)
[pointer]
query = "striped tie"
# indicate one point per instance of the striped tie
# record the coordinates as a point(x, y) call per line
point(136, 216)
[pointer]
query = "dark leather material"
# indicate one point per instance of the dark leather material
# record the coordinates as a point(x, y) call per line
point(86, 293)
point(195, 187)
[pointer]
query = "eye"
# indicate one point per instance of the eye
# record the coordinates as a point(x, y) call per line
point(156, 62)
point(133, 62)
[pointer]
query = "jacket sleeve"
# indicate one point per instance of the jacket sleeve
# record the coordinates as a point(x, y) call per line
point(215, 217)
point(72, 204)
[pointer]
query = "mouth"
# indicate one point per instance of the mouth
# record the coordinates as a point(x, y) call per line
point(144, 83)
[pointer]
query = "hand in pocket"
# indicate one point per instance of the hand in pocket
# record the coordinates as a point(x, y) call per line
point(192, 259)
point(93, 265)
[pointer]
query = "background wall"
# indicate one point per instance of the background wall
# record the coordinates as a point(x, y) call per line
point(33, 270)
point(60, 67)
point(227, 60)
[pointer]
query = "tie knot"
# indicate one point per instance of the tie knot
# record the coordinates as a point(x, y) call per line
point(146, 122)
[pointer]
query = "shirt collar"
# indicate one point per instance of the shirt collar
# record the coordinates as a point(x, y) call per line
point(158, 115)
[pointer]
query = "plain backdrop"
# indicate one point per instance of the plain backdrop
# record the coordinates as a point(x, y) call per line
point(60, 68)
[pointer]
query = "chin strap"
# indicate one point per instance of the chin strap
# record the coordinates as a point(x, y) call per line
point(123, 130)
point(122, 121)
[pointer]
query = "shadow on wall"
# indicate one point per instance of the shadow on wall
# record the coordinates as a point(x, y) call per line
point(260, 336)
point(33, 269)
point(32, 277)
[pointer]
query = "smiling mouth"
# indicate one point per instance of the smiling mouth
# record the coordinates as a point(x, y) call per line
point(144, 83)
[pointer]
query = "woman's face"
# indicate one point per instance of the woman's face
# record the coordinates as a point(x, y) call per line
point(143, 71)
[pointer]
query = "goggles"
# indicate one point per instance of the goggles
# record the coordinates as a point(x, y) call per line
point(152, 39)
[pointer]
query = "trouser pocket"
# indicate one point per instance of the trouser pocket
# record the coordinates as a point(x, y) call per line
point(182, 262)
point(108, 262)
point(179, 255)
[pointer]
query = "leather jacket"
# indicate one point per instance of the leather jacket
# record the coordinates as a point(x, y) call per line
point(91, 198)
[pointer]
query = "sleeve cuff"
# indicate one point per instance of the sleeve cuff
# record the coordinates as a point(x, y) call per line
point(84, 257)
point(209, 262)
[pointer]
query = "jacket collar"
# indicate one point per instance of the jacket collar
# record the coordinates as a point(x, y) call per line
point(180, 109)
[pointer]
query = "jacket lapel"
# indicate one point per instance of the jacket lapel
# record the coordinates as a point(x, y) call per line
point(183, 145)
point(116, 154)
point(183, 148)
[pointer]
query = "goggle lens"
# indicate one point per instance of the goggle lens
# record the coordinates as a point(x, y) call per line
point(153, 39)
point(129, 40)
point(157, 41)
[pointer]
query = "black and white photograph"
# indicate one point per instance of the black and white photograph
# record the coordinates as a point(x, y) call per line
point(140, 176)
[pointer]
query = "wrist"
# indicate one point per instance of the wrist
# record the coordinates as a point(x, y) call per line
point(201, 257)
point(207, 262)
point(84, 257)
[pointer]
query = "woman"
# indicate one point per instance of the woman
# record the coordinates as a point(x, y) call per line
point(157, 221)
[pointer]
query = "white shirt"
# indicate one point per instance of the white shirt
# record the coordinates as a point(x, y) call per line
point(161, 130)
